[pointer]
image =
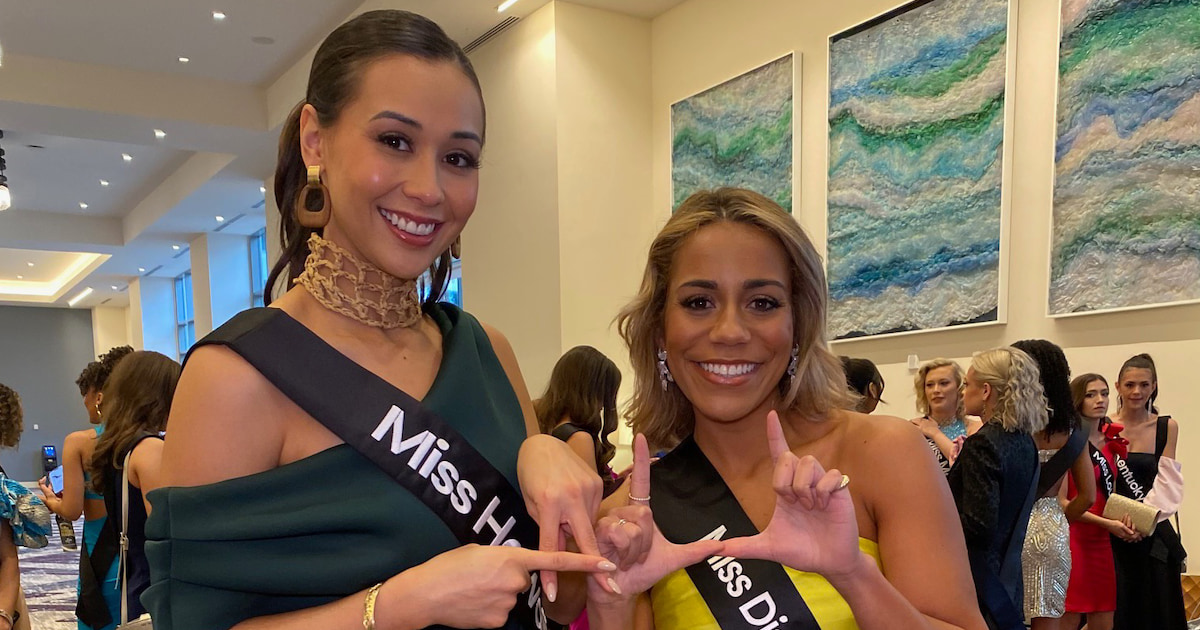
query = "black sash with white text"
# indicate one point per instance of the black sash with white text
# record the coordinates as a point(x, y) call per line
point(406, 439)
point(691, 502)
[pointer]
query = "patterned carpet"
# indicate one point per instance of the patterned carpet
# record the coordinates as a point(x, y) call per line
point(48, 576)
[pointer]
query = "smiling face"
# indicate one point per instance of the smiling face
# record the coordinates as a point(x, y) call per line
point(941, 390)
point(1135, 387)
point(728, 326)
point(1095, 400)
point(400, 162)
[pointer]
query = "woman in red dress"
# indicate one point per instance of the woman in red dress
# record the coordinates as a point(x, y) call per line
point(1092, 589)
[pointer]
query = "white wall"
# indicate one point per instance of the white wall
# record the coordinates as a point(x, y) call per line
point(510, 247)
point(110, 327)
point(703, 42)
point(152, 315)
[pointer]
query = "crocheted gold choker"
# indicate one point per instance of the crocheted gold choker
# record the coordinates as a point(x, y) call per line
point(357, 289)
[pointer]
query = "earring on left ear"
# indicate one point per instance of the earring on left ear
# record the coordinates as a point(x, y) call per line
point(792, 365)
point(456, 248)
point(312, 204)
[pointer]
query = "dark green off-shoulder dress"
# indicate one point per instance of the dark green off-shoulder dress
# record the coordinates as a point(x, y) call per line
point(329, 525)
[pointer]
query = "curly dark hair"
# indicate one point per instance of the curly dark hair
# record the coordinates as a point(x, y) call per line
point(11, 417)
point(95, 375)
point(1056, 382)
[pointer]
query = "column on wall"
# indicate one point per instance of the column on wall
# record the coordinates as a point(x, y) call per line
point(220, 279)
point(152, 315)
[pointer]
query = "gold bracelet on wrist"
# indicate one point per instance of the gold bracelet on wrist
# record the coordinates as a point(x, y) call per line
point(369, 607)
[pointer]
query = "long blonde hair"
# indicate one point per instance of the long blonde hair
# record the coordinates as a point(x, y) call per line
point(919, 384)
point(1020, 400)
point(819, 386)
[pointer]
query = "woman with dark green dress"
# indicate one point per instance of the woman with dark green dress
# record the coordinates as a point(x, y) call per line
point(332, 460)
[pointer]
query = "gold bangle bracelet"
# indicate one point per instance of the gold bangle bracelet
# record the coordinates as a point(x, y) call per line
point(369, 607)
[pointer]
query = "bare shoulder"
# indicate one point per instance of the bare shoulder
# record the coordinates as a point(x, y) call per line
point(82, 440)
point(877, 436)
point(226, 421)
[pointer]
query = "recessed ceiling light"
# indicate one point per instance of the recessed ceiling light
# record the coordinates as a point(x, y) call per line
point(175, 247)
point(126, 157)
point(114, 287)
point(30, 263)
point(219, 218)
point(218, 16)
point(504, 5)
point(20, 277)
point(262, 189)
point(141, 270)
point(184, 60)
point(160, 134)
point(104, 182)
point(82, 206)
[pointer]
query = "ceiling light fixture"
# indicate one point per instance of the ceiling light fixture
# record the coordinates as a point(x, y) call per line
point(218, 16)
point(29, 264)
point(82, 294)
point(141, 270)
point(504, 5)
point(20, 277)
point(83, 206)
point(104, 182)
point(184, 60)
point(5, 195)
point(175, 247)
point(262, 189)
point(219, 218)
point(126, 157)
point(114, 287)
point(160, 134)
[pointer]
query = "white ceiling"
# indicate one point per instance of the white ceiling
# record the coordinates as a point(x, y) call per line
point(88, 80)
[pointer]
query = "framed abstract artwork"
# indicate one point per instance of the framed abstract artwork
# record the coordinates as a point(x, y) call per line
point(918, 163)
point(1126, 219)
point(738, 133)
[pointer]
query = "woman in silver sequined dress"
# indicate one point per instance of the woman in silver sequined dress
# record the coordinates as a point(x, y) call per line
point(1046, 556)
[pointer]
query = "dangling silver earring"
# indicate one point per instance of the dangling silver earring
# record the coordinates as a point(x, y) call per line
point(664, 372)
point(791, 368)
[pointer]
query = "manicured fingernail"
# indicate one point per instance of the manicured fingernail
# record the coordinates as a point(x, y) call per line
point(605, 565)
point(551, 592)
point(613, 585)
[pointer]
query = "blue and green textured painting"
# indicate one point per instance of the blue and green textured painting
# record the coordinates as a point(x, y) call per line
point(1127, 160)
point(738, 133)
point(916, 137)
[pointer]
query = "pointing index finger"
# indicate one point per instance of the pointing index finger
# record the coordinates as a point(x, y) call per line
point(639, 482)
point(775, 438)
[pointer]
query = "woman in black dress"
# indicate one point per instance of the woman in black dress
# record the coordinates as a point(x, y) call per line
point(1148, 592)
point(994, 478)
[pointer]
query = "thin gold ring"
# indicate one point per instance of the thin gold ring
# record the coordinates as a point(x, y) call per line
point(645, 499)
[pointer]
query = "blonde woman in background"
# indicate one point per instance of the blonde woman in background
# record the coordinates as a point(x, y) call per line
point(995, 478)
point(942, 420)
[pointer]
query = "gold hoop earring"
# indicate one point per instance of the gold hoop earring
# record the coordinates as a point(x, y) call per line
point(312, 204)
point(98, 415)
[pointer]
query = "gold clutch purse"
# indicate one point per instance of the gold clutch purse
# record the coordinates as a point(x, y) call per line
point(1144, 517)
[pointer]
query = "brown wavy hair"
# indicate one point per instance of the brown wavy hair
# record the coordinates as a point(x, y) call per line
point(583, 388)
point(333, 81)
point(12, 417)
point(137, 399)
point(819, 386)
